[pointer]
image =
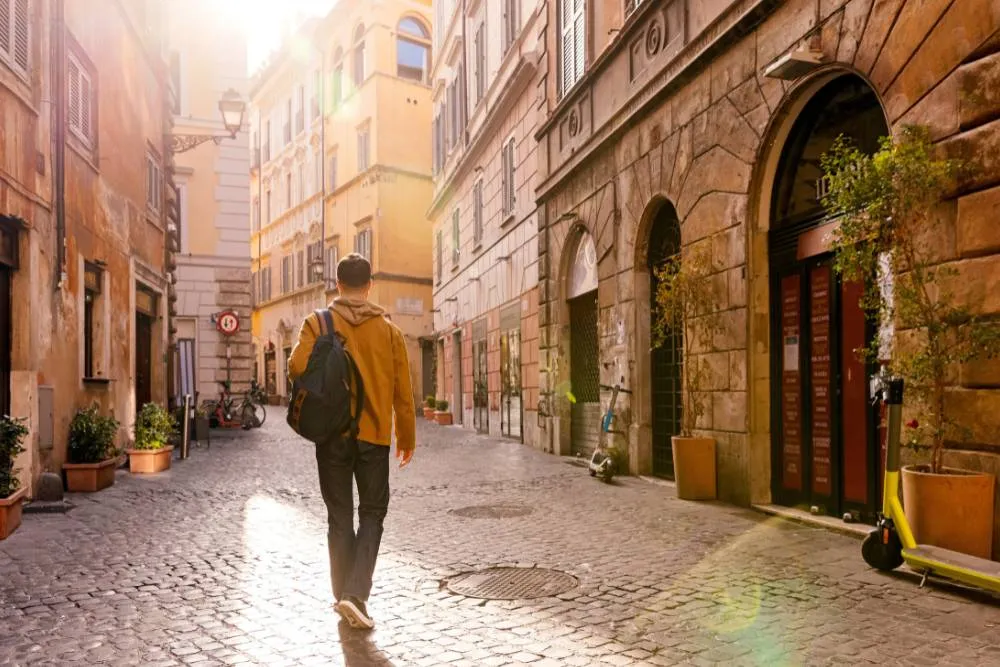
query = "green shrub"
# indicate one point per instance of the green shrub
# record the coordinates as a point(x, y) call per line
point(12, 434)
point(91, 436)
point(153, 427)
point(430, 401)
point(442, 406)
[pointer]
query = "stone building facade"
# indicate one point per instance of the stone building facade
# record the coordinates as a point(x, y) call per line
point(674, 123)
point(207, 58)
point(84, 99)
point(353, 182)
point(486, 111)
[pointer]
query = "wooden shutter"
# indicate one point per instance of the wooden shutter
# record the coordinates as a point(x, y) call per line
point(477, 203)
point(73, 82)
point(480, 63)
point(86, 100)
point(20, 36)
point(5, 22)
point(511, 198)
point(579, 35)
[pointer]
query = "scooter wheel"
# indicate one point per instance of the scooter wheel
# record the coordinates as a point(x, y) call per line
point(881, 556)
point(593, 473)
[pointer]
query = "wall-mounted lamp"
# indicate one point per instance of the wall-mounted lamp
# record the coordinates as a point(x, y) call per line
point(794, 64)
point(232, 107)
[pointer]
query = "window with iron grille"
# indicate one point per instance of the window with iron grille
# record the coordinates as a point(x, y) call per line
point(454, 238)
point(477, 212)
point(572, 31)
point(81, 99)
point(154, 183)
point(15, 33)
point(440, 256)
point(480, 62)
point(507, 177)
point(363, 244)
point(511, 23)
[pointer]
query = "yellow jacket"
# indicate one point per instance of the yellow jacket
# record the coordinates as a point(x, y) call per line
point(379, 351)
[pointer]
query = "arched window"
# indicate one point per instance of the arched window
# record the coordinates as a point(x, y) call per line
point(413, 50)
point(359, 55)
point(337, 89)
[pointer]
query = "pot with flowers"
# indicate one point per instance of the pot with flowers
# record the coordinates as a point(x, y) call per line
point(441, 415)
point(886, 204)
point(685, 305)
point(151, 452)
point(12, 435)
point(92, 454)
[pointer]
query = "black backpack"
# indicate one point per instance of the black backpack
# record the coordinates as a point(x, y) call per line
point(319, 407)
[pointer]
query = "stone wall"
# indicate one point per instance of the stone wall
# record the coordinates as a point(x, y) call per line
point(709, 144)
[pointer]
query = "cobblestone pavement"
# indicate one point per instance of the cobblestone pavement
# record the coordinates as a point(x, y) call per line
point(222, 561)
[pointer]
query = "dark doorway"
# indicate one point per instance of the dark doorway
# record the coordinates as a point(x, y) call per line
point(510, 383)
point(456, 410)
point(427, 367)
point(480, 385)
point(665, 361)
point(584, 375)
point(5, 338)
point(143, 360)
point(824, 451)
point(270, 372)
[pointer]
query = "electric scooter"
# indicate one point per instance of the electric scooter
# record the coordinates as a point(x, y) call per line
point(602, 464)
point(892, 543)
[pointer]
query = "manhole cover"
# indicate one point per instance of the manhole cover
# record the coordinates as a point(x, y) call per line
point(512, 583)
point(492, 511)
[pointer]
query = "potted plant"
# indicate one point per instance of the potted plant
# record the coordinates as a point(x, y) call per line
point(685, 301)
point(429, 405)
point(92, 454)
point(151, 452)
point(442, 415)
point(886, 205)
point(200, 425)
point(12, 434)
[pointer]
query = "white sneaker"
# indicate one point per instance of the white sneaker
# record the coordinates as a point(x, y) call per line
point(355, 613)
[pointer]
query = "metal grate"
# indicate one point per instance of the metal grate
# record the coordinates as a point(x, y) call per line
point(512, 583)
point(584, 350)
point(499, 511)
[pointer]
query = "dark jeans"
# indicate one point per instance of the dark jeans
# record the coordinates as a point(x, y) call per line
point(353, 556)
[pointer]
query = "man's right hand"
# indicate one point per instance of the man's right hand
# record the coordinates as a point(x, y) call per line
point(404, 456)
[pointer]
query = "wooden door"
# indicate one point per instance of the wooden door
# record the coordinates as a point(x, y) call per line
point(143, 360)
point(5, 339)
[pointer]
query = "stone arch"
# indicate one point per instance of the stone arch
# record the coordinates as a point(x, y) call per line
point(777, 134)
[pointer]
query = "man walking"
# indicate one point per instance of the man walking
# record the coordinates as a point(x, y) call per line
point(378, 350)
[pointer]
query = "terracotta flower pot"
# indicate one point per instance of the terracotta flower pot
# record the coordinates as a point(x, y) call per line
point(90, 477)
point(952, 510)
point(10, 513)
point(694, 468)
point(429, 414)
point(443, 418)
point(149, 461)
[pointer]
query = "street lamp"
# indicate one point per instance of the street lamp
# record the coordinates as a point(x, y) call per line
point(232, 107)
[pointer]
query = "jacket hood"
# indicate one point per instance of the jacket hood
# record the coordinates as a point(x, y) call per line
point(357, 311)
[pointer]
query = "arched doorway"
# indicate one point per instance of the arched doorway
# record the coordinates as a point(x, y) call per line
point(584, 350)
point(823, 433)
point(665, 362)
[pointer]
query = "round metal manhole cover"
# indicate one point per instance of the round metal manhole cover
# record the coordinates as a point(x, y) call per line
point(493, 511)
point(512, 583)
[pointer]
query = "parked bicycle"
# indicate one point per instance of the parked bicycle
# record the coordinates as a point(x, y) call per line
point(223, 412)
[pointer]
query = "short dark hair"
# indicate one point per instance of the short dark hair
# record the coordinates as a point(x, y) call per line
point(354, 271)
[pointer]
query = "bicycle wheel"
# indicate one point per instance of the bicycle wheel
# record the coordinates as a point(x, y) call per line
point(260, 412)
point(247, 418)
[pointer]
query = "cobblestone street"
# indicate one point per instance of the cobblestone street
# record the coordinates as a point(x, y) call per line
point(222, 561)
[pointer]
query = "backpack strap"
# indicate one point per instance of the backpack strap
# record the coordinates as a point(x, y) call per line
point(325, 320)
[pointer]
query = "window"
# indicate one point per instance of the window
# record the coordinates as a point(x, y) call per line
point(267, 143)
point(363, 148)
point(302, 269)
point(363, 244)
point(14, 34)
point(330, 267)
point(507, 177)
point(286, 274)
point(338, 77)
point(265, 284)
point(175, 81)
point(316, 93)
point(573, 33)
point(413, 50)
point(454, 238)
point(255, 214)
point(300, 111)
point(480, 62)
point(510, 23)
point(317, 171)
point(267, 208)
point(453, 131)
point(288, 191)
point(92, 279)
point(438, 153)
point(154, 183)
point(288, 122)
point(359, 55)
point(440, 256)
point(301, 185)
point(477, 212)
point(333, 172)
point(81, 99)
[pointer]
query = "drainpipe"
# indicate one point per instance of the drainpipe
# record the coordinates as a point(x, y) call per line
point(59, 138)
point(322, 172)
